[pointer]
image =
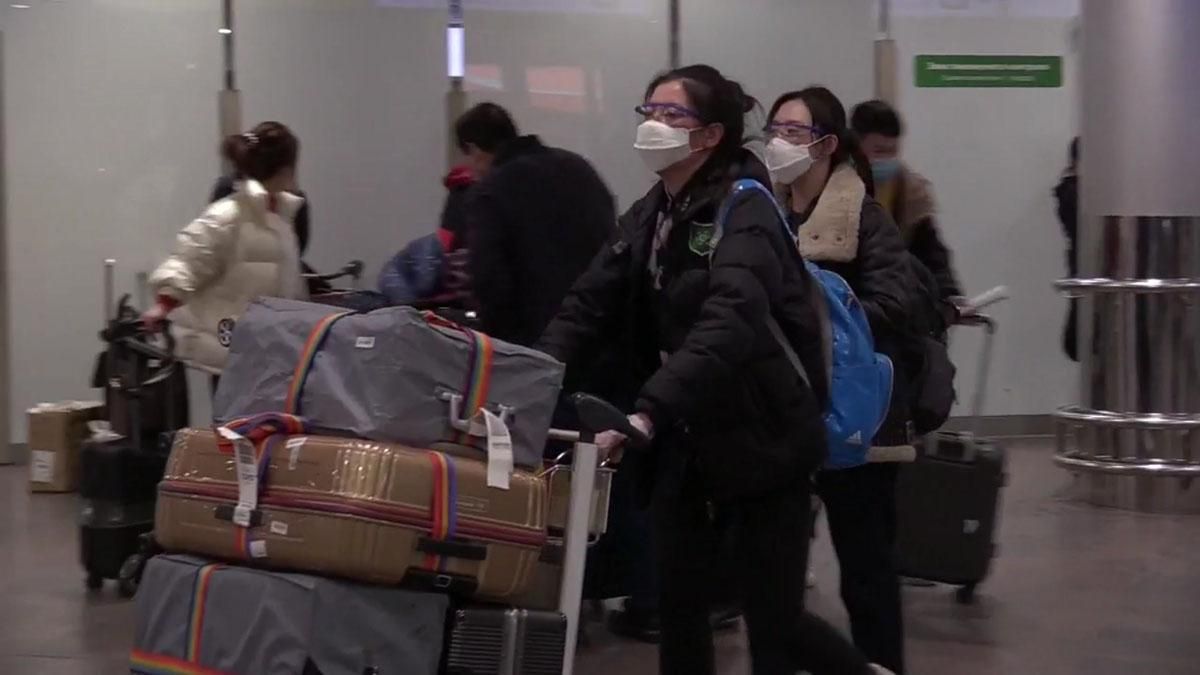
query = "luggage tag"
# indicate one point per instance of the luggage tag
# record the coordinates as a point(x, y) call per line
point(293, 447)
point(247, 475)
point(499, 447)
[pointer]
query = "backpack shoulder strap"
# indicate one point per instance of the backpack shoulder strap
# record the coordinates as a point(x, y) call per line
point(741, 190)
point(792, 357)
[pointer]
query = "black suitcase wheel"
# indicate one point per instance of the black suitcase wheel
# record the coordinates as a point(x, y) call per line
point(130, 575)
point(94, 582)
point(965, 595)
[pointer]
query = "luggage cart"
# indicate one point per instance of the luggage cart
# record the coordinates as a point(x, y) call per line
point(526, 635)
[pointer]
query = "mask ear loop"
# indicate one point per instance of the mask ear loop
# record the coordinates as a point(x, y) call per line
point(705, 128)
point(817, 142)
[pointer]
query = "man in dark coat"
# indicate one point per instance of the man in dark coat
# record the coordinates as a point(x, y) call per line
point(905, 194)
point(535, 221)
point(1067, 195)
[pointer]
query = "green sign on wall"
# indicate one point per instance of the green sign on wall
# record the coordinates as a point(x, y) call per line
point(958, 70)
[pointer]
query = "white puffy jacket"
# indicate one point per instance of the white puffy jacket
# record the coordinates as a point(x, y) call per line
point(237, 251)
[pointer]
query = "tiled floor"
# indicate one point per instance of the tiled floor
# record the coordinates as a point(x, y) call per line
point(1076, 591)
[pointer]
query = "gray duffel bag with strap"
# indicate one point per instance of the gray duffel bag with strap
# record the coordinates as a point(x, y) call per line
point(394, 374)
point(193, 616)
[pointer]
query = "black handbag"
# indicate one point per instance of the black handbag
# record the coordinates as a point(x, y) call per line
point(933, 387)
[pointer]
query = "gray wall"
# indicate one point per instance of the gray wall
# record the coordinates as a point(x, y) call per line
point(994, 156)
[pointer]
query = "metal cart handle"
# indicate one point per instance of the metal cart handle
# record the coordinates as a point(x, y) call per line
point(597, 415)
point(353, 269)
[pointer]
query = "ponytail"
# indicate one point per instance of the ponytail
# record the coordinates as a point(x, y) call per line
point(262, 152)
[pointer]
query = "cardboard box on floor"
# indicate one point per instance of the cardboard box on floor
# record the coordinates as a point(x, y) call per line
point(56, 433)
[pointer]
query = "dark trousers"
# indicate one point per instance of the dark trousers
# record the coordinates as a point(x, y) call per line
point(860, 505)
point(769, 537)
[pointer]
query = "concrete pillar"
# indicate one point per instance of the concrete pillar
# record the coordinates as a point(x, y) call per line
point(229, 99)
point(886, 56)
point(1134, 440)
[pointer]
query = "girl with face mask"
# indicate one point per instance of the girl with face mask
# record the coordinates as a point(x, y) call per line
point(825, 184)
point(736, 431)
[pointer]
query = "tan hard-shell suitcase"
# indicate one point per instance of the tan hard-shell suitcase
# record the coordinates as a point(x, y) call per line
point(364, 510)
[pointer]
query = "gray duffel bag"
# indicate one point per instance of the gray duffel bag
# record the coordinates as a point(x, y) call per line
point(394, 374)
point(193, 616)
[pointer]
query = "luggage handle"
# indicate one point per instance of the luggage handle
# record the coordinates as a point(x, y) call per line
point(984, 370)
point(442, 582)
point(454, 403)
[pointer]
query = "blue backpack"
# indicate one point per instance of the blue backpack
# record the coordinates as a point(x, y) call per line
point(415, 272)
point(860, 380)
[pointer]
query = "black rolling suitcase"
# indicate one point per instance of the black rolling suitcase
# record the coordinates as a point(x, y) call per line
point(118, 491)
point(948, 499)
point(145, 392)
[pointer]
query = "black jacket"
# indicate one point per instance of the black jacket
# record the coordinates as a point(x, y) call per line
point(534, 223)
point(911, 205)
point(726, 405)
point(1067, 195)
point(848, 232)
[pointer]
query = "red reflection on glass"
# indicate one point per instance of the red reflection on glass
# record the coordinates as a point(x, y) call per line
point(557, 88)
point(483, 77)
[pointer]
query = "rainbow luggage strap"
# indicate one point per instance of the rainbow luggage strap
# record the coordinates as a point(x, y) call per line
point(443, 508)
point(481, 422)
point(312, 345)
point(149, 663)
point(479, 378)
point(251, 440)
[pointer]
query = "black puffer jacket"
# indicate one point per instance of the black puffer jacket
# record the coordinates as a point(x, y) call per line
point(534, 223)
point(727, 406)
point(848, 232)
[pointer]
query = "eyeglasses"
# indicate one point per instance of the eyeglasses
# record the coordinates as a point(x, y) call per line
point(793, 132)
point(667, 113)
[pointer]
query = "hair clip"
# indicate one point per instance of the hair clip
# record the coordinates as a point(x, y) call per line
point(251, 138)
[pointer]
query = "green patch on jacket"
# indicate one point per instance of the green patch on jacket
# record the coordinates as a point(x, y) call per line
point(702, 239)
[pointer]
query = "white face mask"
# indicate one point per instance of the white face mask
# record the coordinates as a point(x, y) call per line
point(662, 145)
point(787, 162)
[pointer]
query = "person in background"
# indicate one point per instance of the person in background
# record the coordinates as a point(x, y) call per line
point(243, 246)
point(824, 183)
point(904, 193)
point(432, 269)
point(535, 220)
point(1067, 196)
point(736, 431)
